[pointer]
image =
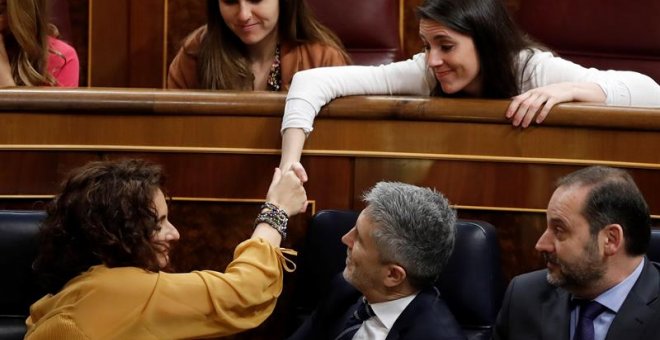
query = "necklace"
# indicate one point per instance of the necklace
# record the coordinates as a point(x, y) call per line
point(275, 77)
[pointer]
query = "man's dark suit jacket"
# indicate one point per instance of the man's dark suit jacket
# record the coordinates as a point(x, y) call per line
point(427, 317)
point(534, 309)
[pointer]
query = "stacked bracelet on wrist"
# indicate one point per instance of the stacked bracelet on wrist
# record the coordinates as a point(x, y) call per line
point(273, 216)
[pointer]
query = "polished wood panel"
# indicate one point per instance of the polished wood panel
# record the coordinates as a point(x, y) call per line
point(485, 183)
point(108, 55)
point(200, 175)
point(517, 233)
point(411, 42)
point(183, 17)
point(126, 45)
point(79, 15)
point(37, 172)
point(146, 61)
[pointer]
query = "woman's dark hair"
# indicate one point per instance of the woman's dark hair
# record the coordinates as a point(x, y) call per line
point(496, 37)
point(223, 60)
point(104, 215)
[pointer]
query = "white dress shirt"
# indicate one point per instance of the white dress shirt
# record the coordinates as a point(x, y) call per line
point(377, 327)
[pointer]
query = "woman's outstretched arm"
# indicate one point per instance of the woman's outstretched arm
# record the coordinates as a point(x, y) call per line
point(312, 89)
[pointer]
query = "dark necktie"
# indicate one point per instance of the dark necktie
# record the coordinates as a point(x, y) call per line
point(361, 314)
point(589, 310)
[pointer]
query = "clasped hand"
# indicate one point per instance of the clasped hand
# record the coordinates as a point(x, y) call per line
point(286, 190)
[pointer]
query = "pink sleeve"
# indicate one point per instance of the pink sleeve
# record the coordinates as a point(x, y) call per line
point(63, 63)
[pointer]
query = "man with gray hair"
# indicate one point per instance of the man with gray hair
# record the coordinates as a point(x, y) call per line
point(397, 249)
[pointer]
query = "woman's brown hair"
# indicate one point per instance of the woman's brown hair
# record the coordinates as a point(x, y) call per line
point(223, 62)
point(104, 215)
point(27, 45)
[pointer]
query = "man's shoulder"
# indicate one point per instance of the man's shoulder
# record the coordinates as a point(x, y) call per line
point(654, 265)
point(429, 316)
point(532, 277)
point(532, 286)
point(537, 275)
point(654, 271)
point(327, 316)
point(648, 283)
point(341, 297)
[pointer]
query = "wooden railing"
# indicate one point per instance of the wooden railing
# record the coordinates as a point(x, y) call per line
point(122, 100)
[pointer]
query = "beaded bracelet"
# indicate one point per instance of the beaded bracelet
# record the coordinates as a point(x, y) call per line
point(273, 216)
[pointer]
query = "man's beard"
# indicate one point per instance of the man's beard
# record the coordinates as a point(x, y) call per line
point(579, 274)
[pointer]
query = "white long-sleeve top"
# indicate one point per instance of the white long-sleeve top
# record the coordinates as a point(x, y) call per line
point(311, 89)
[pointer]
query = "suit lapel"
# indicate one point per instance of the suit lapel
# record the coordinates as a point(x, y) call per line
point(555, 316)
point(340, 326)
point(331, 314)
point(344, 296)
point(635, 313)
point(409, 315)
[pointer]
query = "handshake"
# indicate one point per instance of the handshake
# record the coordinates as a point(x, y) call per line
point(286, 190)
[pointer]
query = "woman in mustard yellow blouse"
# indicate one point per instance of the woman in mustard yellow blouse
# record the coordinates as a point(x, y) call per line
point(105, 240)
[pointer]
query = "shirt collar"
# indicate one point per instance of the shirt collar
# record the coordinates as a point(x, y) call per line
point(613, 298)
point(387, 312)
